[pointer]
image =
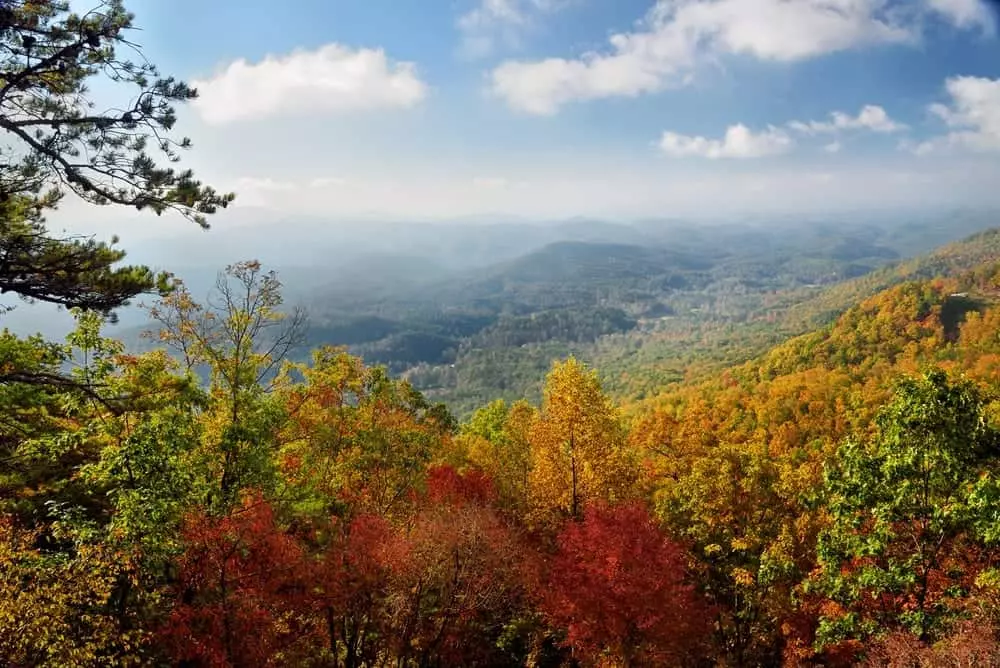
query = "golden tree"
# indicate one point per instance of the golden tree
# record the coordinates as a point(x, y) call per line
point(578, 450)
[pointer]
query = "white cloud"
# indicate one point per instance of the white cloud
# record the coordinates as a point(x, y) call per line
point(964, 13)
point(973, 116)
point(492, 23)
point(738, 142)
point(741, 142)
point(333, 78)
point(871, 117)
point(678, 35)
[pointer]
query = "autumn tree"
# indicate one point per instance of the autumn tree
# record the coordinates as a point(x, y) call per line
point(351, 580)
point(52, 603)
point(909, 508)
point(455, 580)
point(356, 436)
point(972, 643)
point(240, 596)
point(578, 450)
point(497, 442)
point(619, 588)
point(240, 338)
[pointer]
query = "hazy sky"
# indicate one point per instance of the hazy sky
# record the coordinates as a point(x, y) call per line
point(554, 108)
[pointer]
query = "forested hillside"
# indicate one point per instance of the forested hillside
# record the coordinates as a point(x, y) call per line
point(681, 299)
point(829, 502)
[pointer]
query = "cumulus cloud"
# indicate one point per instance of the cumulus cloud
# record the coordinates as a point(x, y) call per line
point(677, 35)
point(333, 78)
point(833, 147)
point(973, 116)
point(492, 23)
point(871, 117)
point(738, 142)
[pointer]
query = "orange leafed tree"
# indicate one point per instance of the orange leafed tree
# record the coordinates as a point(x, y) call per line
point(456, 575)
point(350, 588)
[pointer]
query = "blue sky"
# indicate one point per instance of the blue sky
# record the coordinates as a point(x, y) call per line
point(430, 109)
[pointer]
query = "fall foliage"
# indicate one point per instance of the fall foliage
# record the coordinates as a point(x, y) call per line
point(223, 500)
point(832, 502)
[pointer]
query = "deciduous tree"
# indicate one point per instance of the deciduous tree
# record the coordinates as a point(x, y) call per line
point(241, 337)
point(619, 588)
point(578, 450)
point(908, 508)
point(241, 597)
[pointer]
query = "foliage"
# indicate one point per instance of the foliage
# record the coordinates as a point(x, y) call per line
point(220, 501)
point(52, 604)
point(619, 588)
point(910, 511)
point(578, 450)
point(58, 144)
point(354, 434)
point(241, 340)
point(497, 441)
point(456, 576)
point(238, 591)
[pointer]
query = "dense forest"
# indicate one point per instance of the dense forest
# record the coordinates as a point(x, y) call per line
point(831, 499)
point(832, 502)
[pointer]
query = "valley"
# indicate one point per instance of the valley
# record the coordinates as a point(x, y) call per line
point(679, 301)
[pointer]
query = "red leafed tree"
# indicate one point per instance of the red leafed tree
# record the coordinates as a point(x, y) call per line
point(240, 592)
point(455, 580)
point(617, 586)
point(445, 485)
point(351, 581)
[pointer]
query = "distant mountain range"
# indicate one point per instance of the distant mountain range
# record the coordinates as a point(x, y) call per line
point(441, 303)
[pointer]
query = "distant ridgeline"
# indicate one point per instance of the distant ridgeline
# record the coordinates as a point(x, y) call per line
point(675, 302)
point(685, 302)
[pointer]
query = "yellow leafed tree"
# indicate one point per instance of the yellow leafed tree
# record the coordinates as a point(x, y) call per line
point(55, 607)
point(578, 451)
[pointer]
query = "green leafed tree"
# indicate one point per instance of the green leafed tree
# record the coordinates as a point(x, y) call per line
point(239, 338)
point(911, 511)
